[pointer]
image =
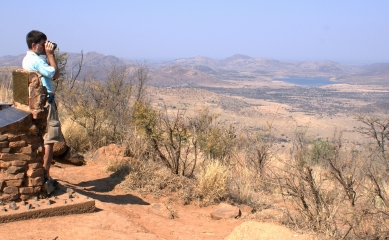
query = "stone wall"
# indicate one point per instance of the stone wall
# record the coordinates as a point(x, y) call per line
point(21, 153)
point(21, 144)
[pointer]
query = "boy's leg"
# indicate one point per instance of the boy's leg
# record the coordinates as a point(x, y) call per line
point(47, 158)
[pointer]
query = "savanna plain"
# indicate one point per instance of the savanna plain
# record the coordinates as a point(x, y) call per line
point(166, 143)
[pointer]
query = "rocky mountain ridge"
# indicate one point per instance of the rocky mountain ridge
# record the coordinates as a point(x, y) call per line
point(200, 69)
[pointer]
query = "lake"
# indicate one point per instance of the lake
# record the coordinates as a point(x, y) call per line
point(311, 82)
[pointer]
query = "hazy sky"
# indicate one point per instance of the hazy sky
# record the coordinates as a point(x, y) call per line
point(348, 31)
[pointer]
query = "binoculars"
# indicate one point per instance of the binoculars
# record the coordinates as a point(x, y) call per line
point(54, 45)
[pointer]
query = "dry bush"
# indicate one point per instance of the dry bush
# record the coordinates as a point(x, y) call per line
point(136, 143)
point(103, 109)
point(377, 129)
point(75, 135)
point(120, 168)
point(178, 140)
point(217, 139)
point(316, 205)
point(300, 151)
point(337, 192)
point(213, 182)
point(371, 214)
point(243, 185)
point(87, 105)
point(259, 152)
point(5, 94)
point(320, 152)
point(156, 178)
point(176, 144)
point(339, 199)
point(172, 139)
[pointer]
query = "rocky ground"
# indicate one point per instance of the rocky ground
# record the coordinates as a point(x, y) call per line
point(123, 215)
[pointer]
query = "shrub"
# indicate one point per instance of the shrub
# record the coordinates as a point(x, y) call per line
point(321, 151)
point(242, 185)
point(346, 200)
point(156, 178)
point(75, 135)
point(103, 109)
point(377, 128)
point(300, 147)
point(119, 168)
point(213, 182)
point(259, 149)
point(315, 206)
point(171, 138)
point(217, 140)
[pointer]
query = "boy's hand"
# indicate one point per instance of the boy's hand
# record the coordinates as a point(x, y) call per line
point(49, 48)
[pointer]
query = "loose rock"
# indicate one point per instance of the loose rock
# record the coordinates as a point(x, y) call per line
point(13, 206)
point(225, 211)
point(161, 210)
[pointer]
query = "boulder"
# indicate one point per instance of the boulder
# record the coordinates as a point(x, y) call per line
point(161, 210)
point(111, 153)
point(246, 210)
point(225, 211)
point(59, 148)
point(71, 156)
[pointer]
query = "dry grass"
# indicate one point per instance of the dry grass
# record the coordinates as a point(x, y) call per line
point(335, 199)
point(75, 135)
point(6, 91)
point(243, 186)
point(149, 177)
point(118, 167)
point(6, 94)
point(213, 182)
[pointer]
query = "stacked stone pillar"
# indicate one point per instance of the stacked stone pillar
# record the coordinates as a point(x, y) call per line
point(21, 139)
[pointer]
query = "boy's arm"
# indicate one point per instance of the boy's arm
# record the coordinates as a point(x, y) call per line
point(50, 58)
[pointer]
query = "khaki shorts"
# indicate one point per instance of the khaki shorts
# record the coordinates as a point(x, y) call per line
point(53, 129)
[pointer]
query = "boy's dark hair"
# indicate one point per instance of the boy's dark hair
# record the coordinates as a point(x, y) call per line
point(34, 37)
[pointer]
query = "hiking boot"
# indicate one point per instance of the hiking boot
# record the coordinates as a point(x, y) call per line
point(50, 185)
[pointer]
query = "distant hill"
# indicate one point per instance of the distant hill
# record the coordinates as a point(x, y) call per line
point(236, 57)
point(94, 64)
point(377, 73)
point(377, 69)
point(90, 59)
point(202, 70)
point(199, 60)
point(94, 59)
point(12, 60)
point(180, 76)
point(239, 63)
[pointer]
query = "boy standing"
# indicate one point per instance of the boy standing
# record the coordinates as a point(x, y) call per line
point(37, 45)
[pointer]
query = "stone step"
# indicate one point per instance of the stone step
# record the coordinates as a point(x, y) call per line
point(61, 202)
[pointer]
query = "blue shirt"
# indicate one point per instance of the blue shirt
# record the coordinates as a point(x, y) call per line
point(34, 62)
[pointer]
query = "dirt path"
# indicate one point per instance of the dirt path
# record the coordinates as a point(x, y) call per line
point(121, 215)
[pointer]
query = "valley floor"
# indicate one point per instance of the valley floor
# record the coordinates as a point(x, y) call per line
point(286, 107)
